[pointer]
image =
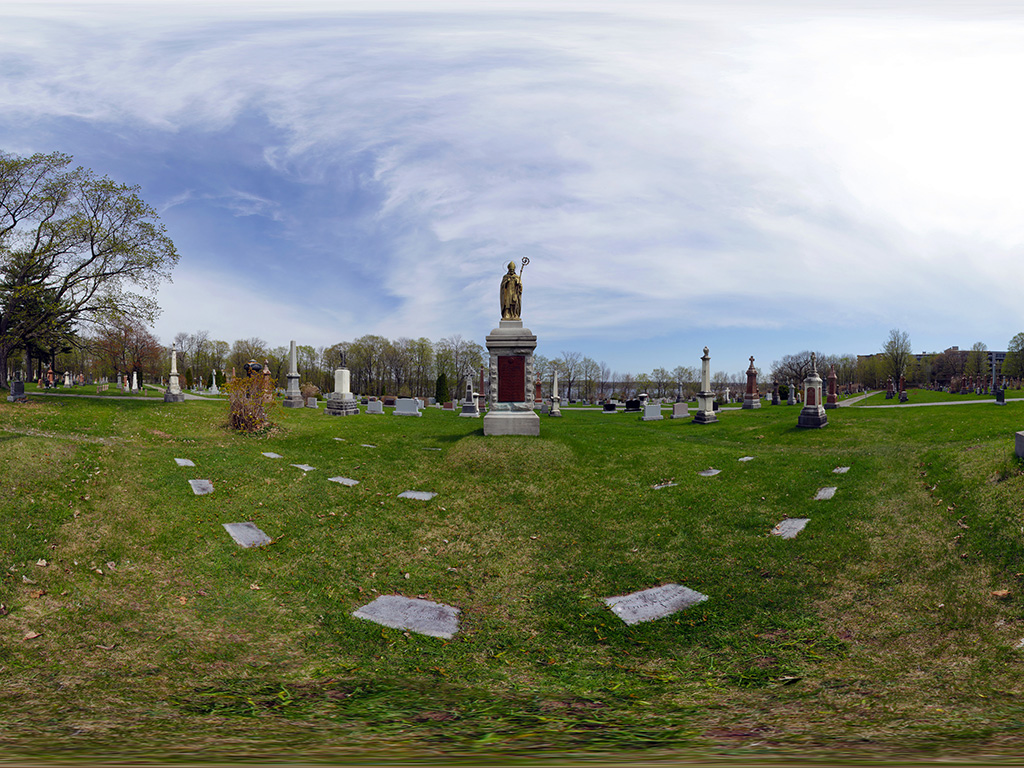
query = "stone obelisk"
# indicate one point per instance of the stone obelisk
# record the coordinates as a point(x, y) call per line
point(511, 349)
point(292, 395)
point(705, 398)
point(555, 398)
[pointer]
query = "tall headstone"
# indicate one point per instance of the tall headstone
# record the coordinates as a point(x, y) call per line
point(705, 398)
point(173, 393)
point(775, 392)
point(813, 414)
point(469, 406)
point(340, 402)
point(903, 388)
point(17, 394)
point(751, 398)
point(511, 347)
point(832, 400)
point(555, 399)
point(213, 385)
point(135, 381)
point(292, 395)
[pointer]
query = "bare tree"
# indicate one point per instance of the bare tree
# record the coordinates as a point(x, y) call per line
point(896, 353)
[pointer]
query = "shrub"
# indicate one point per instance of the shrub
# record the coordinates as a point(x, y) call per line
point(248, 404)
point(309, 390)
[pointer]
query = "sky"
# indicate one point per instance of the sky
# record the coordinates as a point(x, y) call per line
point(758, 178)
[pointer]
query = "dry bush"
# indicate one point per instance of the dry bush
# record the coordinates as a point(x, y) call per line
point(309, 390)
point(249, 404)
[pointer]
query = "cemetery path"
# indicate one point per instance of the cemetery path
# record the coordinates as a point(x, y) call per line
point(952, 402)
point(143, 399)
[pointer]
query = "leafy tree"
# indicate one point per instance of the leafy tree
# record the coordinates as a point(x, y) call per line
point(73, 247)
point(121, 344)
point(441, 388)
point(1013, 365)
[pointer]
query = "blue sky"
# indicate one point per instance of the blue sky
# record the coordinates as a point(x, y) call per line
point(758, 178)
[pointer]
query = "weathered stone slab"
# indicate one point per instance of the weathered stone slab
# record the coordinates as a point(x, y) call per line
point(841, 470)
point(365, 445)
point(790, 527)
point(303, 467)
point(201, 487)
point(709, 472)
point(271, 455)
point(344, 481)
point(375, 407)
point(654, 603)
point(1018, 444)
point(340, 439)
point(746, 458)
point(424, 617)
point(824, 494)
point(663, 485)
point(418, 495)
point(184, 462)
point(247, 534)
point(431, 449)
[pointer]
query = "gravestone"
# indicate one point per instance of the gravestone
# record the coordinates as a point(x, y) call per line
point(556, 400)
point(292, 395)
point(272, 455)
point(17, 394)
point(652, 412)
point(609, 408)
point(841, 470)
point(832, 400)
point(791, 400)
point(247, 535)
point(424, 617)
point(790, 527)
point(709, 472)
point(632, 406)
point(812, 415)
point(750, 398)
point(340, 402)
point(1001, 396)
point(448, 406)
point(135, 382)
point(417, 495)
point(407, 406)
point(511, 348)
point(374, 407)
point(311, 402)
point(659, 486)
point(470, 410)
point(826, 493)
point(775, 393)
point(746, 458)
point(654, 603)
point(705, 398)
point(344, 481)
point(680, 411)
point(184, 462)
point(201, 487)
point(213, 386)
point(304, 467)
point(173, 393)
point(1018, 444)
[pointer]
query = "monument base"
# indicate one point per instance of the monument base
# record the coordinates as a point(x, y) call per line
point(705, 408)
point(812, 417)
point(294, 402)
point(512, 423)
point(17, 398)
point(470, 411)
point(335, 405)
point(830, 406)
point(174, 398)
point(751, 401)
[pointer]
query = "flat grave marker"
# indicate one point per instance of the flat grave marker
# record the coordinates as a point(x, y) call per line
point(654, 603)
point(303, 467)
point(790, 527)
point(271, 455)
point(366, 445)
point(424, 617)
point(659, 486)
point(247, 534)
point(824, 494)
point(344, 481)
point(201, 487)
point(184, 462)
point(746, 458)
point(841, 470)
point(418, 495)
point(709, 472)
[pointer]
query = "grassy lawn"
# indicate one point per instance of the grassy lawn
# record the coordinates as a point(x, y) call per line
point(927, 396)
point(137, 629)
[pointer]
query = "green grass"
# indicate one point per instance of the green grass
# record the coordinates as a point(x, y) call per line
point(928, 396)
point(873, 634)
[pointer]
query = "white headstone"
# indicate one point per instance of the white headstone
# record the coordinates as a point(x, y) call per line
point(407, 406)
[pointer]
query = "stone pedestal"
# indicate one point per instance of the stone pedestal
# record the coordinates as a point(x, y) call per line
point(292, 395)
point(469, 405)
point(511, 400)
point(705, 398)
point(340, 402)
point(812, 415)
point(555, 398)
